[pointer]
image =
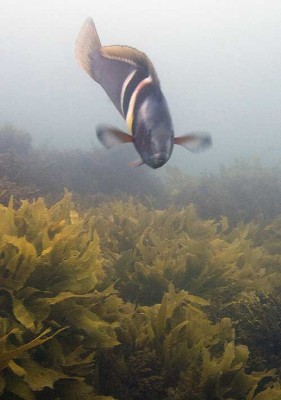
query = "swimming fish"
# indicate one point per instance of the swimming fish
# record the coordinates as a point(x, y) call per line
point(130, 80)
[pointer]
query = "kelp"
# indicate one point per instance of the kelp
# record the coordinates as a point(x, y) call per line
point(19, 192)
point(177, 353)
point(146, 249)
point(127, 301)
point(50, 265)
point(243, 191)
point(260, 315)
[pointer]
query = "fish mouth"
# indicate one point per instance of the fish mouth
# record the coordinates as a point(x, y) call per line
point(158, 160)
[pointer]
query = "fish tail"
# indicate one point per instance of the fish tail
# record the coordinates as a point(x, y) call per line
point(87, 46)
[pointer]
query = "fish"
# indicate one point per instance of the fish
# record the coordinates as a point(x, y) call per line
point(129, 78)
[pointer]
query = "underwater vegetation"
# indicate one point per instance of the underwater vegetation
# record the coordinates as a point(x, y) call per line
point(133, 288)
point(47, 171)
point(127, 301)
point(244, 191)
point(14, 140)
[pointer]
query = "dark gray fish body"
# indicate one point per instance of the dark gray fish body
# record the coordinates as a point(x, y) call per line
point(129, 79)
point(152, 128)
point(111, 74)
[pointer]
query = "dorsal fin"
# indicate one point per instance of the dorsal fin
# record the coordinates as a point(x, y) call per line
point(131, 56)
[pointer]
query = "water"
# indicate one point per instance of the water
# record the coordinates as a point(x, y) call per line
point(134, 283)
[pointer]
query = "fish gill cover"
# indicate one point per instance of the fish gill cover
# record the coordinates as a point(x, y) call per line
point(112, 297)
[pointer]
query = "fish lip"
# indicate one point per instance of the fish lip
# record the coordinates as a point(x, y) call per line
point(158, 161)
point(158, 155)
point(158, 165)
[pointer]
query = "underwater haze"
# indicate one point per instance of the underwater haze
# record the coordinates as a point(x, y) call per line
point(218, 62)
point(121, 283)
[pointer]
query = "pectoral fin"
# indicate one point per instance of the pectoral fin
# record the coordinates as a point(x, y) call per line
point(194, 141)
point(111, 137)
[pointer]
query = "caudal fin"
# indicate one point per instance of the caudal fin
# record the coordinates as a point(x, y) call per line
point(87, 44)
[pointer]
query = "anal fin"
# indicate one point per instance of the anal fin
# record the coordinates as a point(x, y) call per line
point(136, 163)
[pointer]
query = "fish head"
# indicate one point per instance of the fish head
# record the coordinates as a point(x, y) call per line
point(153, 133)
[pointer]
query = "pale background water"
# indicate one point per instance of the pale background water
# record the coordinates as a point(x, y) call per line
point(219, 63)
